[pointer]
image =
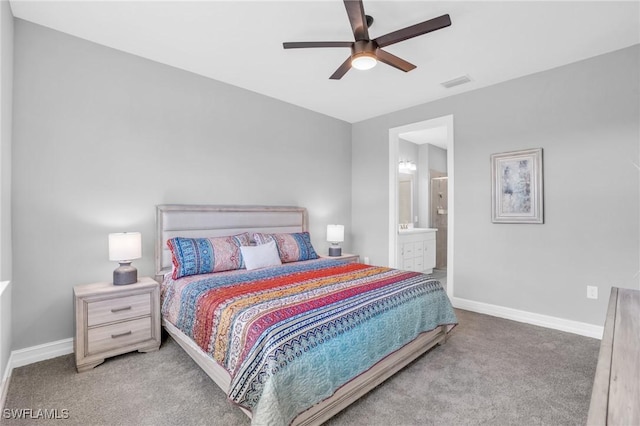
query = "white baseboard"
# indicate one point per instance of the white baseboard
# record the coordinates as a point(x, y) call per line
point(575, 327)
point(42, 352)
point(21, 357)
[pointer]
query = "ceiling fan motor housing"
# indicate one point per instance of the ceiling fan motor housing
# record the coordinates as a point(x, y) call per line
point(363, 54)
point(367, 47)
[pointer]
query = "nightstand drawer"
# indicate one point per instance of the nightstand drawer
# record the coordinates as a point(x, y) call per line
point(102, 339)
point(118, 309)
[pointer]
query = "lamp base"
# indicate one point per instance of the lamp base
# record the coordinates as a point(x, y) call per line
point(335, 251)
point(125, 274)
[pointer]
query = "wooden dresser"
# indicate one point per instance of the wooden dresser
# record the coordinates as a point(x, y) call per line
point(112, 320)
point(615, 399)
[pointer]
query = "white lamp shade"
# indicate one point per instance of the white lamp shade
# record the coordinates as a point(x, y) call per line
point(335, 233)
point(125, 246)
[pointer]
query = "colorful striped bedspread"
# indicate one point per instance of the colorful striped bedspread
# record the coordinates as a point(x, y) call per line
point(291, 335)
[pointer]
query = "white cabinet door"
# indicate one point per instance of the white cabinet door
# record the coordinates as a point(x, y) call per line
point(408, 250)
point(429, 255)
point(408, 265)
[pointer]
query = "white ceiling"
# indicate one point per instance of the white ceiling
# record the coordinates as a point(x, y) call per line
point(240, 43)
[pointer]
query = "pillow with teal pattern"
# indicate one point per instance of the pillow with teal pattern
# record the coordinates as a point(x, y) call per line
point(193, 256)
point(292, 247)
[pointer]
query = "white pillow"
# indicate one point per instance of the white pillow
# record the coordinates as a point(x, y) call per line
point(260, 256)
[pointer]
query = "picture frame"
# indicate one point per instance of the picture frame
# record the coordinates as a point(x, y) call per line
point(517, 187)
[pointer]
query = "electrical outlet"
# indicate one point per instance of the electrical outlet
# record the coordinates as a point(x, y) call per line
point(366, 260)
point(592, 292)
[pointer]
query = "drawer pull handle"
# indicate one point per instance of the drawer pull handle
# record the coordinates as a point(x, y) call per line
point(115, 336)
point(126, 308)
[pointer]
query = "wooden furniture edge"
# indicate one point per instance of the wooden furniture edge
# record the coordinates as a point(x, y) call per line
point(600, 392)
point(616, 387)
point(107, 288)
point(218, 374)
point(624, 387)
point(214, 370)
point(345, 395)
point(347, 257)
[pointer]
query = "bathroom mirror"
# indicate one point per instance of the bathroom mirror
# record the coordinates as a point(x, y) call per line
point(405, 199)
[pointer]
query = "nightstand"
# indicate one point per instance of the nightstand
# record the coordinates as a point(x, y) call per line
point(351, 258)
point(115, 319)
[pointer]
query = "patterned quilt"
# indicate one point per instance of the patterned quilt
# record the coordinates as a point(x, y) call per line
point(291, 335)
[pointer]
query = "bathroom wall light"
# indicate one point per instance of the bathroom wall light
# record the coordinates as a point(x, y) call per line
point(407, 166)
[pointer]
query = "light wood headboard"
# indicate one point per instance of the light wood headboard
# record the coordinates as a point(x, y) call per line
point(194, 221)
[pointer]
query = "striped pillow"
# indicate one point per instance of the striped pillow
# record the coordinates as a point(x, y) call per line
point(291, 247)
point(193, 256)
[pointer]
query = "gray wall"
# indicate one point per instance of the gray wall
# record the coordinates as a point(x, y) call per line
point(437, 158)
point(408, 151)
point(6, 99)
point(586, 118)
point(101, 137)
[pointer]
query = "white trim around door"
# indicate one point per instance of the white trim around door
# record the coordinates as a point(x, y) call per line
point(394, 142)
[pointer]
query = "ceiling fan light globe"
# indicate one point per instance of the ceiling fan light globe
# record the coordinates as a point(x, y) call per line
point(363, 62)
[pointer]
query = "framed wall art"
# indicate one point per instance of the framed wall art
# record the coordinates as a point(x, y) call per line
point(517, 191)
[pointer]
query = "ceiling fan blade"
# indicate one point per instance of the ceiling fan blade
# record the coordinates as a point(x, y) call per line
point(394, 61)
point(414, 30)
point(304, 44)
point(355, 11)
point(342, 70)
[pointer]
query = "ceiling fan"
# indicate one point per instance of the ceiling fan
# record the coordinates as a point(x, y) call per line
point(365, 53)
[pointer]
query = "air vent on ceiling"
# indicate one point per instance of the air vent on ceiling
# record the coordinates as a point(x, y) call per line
point(456, 81)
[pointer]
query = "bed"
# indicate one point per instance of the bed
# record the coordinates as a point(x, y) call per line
point(296, 342)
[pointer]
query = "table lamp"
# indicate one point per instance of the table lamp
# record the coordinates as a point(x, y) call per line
point(335, 235)
point(123, 248)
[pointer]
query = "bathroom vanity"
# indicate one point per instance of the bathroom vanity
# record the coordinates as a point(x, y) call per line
point(417, 249)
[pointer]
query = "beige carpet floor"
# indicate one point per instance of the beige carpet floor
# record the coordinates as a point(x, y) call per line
point(490, 372)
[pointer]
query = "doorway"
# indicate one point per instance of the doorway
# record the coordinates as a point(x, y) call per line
point(438, 128)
